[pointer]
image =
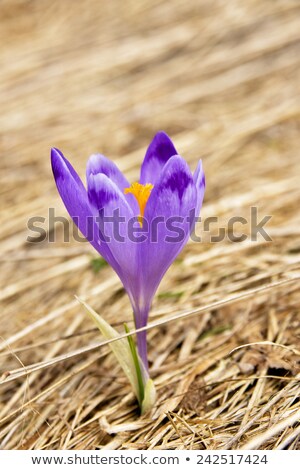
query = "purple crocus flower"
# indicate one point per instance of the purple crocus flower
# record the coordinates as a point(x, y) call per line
point(161, 208)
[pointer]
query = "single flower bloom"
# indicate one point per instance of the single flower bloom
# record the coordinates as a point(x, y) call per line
point(161, 208)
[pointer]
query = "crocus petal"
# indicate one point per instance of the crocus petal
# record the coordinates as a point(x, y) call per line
point(174, 196)
point(113, 214)
point(99, 164)
point(75, 198)
point(199, 180)
point(157, 155)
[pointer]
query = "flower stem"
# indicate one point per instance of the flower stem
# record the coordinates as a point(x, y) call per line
point(142, 347)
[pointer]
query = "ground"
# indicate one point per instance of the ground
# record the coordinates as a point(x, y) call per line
point(223, 80)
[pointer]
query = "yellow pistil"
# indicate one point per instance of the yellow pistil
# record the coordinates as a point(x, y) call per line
point(141, 192)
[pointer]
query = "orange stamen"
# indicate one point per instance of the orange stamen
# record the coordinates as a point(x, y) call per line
point(141, 192)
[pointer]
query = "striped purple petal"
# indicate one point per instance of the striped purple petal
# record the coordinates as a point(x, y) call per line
point(157, 155)
point(113, 214)
point(167, 215)
point(75, 198)
point(99, 164)
point(199, 179)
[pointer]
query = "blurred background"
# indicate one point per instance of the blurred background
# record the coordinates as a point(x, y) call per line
point(222, 78)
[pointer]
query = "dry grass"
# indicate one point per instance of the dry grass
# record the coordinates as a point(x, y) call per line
point(222, 78)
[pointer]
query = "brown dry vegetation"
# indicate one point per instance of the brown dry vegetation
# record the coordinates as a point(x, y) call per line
point(222, 78)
